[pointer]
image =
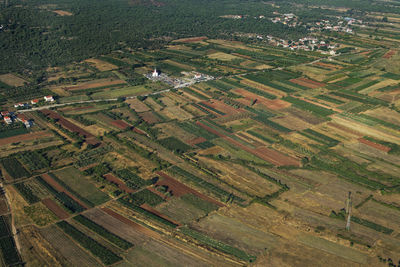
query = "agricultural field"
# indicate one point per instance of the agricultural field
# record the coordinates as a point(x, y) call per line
point(232, 153)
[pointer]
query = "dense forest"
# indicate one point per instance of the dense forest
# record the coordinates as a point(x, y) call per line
point(34, 36)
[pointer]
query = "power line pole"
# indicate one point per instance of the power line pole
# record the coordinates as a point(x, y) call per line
point(348, 212)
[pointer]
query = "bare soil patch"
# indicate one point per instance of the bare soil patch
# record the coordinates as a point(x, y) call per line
point(307, 83)
point(57, 210)
point(25, 137)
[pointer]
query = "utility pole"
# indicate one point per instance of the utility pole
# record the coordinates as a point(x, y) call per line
point(348, 211)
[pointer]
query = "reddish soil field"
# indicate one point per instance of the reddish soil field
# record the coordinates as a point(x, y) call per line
point(120, 124)
point(196, 141)
point(374, 145)
point(59, 188)
point(178, 189)
point(121, 185)
point(149, 117)
point(276, 157)
point(156, 212)
point(95, 85)
point(70, 126)
point(136, 130)
point(57, 210)
point(88, 167)
point(192, 40)
point(273, 156)
point(307, 83)
point(134, 225)
point(389, 54)
point(24, 137)
point(275, 104)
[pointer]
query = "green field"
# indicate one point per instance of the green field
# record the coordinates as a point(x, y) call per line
point(81, 185)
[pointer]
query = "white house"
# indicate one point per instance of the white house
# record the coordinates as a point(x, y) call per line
point(48, 98)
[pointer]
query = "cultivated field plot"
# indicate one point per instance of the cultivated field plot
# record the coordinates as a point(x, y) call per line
point(12, 80)
point(80, 184)
point(101, 65)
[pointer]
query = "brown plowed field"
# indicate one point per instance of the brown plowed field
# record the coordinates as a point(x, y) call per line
point(111, 178)
point(96, 85)
point(70, 126)
point(178, 189)
point(389, 54)
point(196, 141)
point(57, 210)
point(374, 145)
point(273, 156)
point(59, 188)
point(307, 83)
point(24, 137)
point(345, 129)
point(275, 104)
point(136, 226)
point(156, 212)
point(120, 124)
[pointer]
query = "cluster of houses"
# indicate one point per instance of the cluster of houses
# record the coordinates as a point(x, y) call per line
point(306, 44)
point(289, 19)
point(10, 117)
point(48, 98)
point(340, 25)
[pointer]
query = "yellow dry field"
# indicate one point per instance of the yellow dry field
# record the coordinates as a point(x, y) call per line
point(12, 79)
point(60, 91)
point(62, 13)
point(338, 79)
point(153, 104)
point(233, 44)
point(376, 132)
point(241, 178)
point(175, 112)
point(385, 114)
point(101, 65)
point(222, 56)
point(193, 110)
point(119, 161)
point(215, 150)
point(291, 122)
point(381, 84)
point(137, 105)
point(171, 129)
point(96, 130)
point(313, 73)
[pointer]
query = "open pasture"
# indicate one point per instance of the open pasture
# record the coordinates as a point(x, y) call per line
point(12, 80)
point(101, 65)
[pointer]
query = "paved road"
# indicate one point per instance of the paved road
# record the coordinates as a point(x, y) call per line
point(87, 101)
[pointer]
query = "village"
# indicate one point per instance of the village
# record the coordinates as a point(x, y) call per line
point(189, 78)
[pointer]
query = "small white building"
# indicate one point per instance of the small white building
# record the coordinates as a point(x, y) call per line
point(8, 120)
point(155, 73)
point(48, 98)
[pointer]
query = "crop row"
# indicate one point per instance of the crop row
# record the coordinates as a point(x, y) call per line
point(329, 99)
point(220, 193)
point(122, 243)
point(73, 192)
point(64, 199)
point(193, 128)
point(319, 137)
point(218, 244)
point(104, 254)
point(34, 160)
point(14, 167)
point(131, 179)
point(26, 193)
point(128, 203)
point(317, 110)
